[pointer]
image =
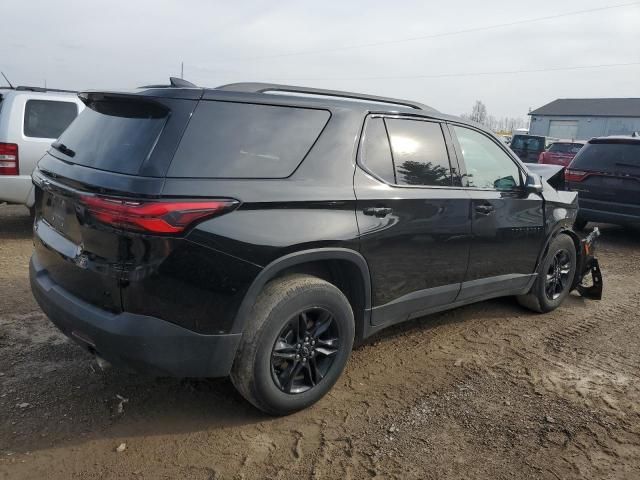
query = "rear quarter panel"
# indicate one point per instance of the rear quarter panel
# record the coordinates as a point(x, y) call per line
point(218, 260)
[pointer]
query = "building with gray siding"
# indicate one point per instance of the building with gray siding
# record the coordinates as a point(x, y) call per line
point(585, 118)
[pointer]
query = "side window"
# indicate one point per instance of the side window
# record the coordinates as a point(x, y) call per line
point(244, 140)
point(419, 152)
point(488, 166)
point(48, 119)
point(376, 152)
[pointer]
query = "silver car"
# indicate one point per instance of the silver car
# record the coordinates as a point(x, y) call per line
point(31, 119)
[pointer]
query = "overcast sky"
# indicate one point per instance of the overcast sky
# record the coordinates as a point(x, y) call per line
point(81, 45)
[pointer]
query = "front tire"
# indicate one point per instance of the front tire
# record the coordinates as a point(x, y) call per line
point(296, 346)
point(555, 277)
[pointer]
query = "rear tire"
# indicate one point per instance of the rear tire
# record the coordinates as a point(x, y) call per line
point(296, 346)
point(555, 277)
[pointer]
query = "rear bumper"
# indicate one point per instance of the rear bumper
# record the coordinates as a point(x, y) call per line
point(16, 189)
point(146, 344)
point(609, 212)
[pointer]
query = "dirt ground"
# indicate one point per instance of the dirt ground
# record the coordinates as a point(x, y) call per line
point(488, 391)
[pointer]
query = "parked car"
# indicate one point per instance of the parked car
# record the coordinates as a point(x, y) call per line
point(30, 119)
point(260, 230)
point(606, 173)
point(561, 152)
point(529, 147)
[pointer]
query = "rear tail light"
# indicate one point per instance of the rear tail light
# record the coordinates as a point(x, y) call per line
point(541, 158)
point(9, 159)
point(154, 216)
point(575, 175)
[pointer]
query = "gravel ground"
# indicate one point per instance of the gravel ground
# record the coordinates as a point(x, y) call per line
point(486, 391)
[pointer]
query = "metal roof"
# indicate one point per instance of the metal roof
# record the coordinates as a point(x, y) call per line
point(591, 107)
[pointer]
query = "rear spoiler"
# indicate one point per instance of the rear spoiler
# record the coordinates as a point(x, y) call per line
point(553, 174)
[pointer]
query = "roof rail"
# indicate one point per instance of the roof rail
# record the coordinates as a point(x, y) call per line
point(24, 88)
point(273, 87)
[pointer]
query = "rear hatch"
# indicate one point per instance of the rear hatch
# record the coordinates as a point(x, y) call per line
point(561, 153)
point(116, 150)
point(607, 170)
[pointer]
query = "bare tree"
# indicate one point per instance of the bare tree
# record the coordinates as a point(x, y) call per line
point(479, 112)
point(502, 125)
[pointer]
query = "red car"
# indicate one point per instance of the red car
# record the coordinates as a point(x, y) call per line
point(561, 152)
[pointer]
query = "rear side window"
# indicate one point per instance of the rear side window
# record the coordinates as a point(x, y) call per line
point(376, 151)
point(48, 119)
point(116, 136)
point(239, 140)
point(419, 152)
point(609, 157)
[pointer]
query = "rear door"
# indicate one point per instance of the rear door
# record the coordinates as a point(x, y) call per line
point(507, 224)
point(107, 152)
point(413, 216)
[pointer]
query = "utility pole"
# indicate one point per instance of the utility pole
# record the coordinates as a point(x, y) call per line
point(182, 70)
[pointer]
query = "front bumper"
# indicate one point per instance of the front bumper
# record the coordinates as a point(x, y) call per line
point(146, 344)
point(589, 265)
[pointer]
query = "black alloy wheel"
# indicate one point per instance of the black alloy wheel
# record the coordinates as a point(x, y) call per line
point(305, 350)
point(558, 273)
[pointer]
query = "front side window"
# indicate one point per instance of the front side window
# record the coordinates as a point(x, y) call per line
point(488, 166)
point(419, 152)
point(48, 119)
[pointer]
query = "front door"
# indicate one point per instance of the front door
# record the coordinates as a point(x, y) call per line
point(413, 216)
point(507, 224)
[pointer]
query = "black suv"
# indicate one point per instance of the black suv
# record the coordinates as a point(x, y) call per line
point(606, 173)
point(259, 230)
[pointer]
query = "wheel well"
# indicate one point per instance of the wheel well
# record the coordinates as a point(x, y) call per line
point(343, 274)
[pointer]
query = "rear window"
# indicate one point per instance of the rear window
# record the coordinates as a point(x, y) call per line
point(565, 147)
point(48, 119)
point(609, 157)
point(240, 140)
point(117, 136)
point(524, 142)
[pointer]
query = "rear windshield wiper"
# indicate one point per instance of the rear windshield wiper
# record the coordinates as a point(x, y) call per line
point(622, 164)
point(61, 147)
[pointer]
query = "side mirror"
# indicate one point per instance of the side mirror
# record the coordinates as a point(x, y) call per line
point(533, 184)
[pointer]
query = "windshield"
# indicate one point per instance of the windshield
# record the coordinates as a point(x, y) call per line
point(565, 147)
point(117, 136)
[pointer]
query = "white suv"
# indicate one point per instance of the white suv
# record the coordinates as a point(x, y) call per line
point(31, 119)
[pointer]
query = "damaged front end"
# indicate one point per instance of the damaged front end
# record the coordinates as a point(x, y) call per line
point(588, 264)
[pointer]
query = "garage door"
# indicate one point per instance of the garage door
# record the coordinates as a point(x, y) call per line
point(563, 128)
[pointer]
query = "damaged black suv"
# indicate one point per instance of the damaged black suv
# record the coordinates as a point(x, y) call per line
point(259, 230)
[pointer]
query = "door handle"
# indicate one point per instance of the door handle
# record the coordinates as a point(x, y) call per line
point(484, 209)
point(379, 212)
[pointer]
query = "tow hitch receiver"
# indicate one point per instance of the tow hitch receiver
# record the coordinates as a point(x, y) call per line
point(589, 264)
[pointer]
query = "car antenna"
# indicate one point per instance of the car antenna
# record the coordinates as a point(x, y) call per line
point(7, 80)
